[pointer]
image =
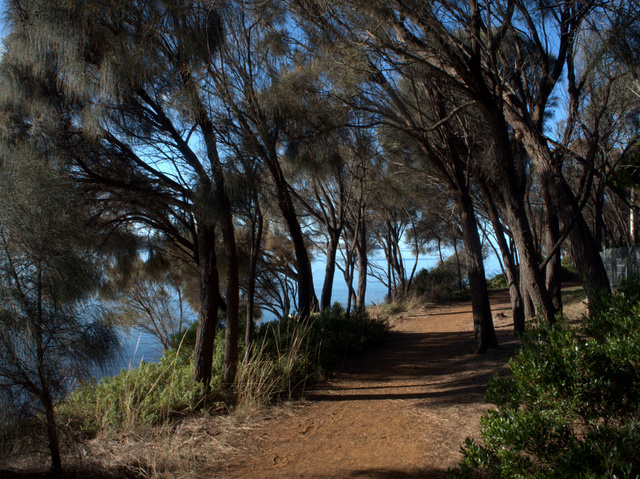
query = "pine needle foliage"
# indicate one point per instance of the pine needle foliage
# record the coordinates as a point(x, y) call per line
point(51, 330)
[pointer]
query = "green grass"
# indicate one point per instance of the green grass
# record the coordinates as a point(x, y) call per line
point(286, 355)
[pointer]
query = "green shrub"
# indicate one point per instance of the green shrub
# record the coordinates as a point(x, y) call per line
point(568, 271)
point(497, 282)
point(571, 407)
point(286, 355)
point(339, 336)
point(332, 336)
point(146, 395)
point(279, 366)
point(438, 285)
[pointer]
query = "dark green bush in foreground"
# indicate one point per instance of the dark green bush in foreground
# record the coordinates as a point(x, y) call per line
point(571, 407)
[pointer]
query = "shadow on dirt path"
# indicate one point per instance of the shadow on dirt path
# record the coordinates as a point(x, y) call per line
point(400, 411)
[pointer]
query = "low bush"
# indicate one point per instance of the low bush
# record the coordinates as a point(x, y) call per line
point(571, 407)
point(499, 281)
point(286, 355)
point(146, 395)
point(439, 285)
point(330, 337)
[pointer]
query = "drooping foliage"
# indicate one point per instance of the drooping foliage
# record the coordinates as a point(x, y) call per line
point(52, 331)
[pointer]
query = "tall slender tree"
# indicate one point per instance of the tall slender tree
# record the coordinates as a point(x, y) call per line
point(51, 329)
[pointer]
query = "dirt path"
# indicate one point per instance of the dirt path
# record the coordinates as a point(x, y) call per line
point(402, 411)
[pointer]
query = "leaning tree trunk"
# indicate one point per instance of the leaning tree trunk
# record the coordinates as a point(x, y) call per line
point(307, 300)
point(256, 241)
point(511, 194)
point(209, 304)
point(531, 278)
point(517, 306)
point(585, 252)
point(47, 400)
point(553, 269)
point(232, 331)
point(509, 185)
point(330, 269)
point(223, 204)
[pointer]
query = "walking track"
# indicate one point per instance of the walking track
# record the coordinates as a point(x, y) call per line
point(401, 411)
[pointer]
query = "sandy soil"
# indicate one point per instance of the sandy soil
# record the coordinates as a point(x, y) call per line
point(401, 411)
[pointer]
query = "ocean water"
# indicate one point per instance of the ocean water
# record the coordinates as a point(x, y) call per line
point(140, 346)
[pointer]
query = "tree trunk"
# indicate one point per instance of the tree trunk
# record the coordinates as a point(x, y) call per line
point(584, 250)
point(485, 335)
point(52, 430)
point(517, 306)
point(232, 333)
point(632, 218)
point(458, 266)
point(44, 389)
point(553, 269)
point(209, 304)
point(225, 217)
point(363, 263)
point(256, 241)
point(47, 403)
point(330, 268)
point(307, 300)
point(531, 278)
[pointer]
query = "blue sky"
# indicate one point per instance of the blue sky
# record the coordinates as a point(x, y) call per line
point(3, 5)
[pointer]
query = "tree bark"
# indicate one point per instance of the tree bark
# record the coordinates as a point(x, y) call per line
point(209, 304)
point(330, 268)
point(517, 306)
point(531, 278)
point(307, 300)
point(553, 269)
point(511, 193)
point(256, 241)
point(232, 332)
point(47, 403)
point(485, 335)
point(584, 250)
point(363, 262)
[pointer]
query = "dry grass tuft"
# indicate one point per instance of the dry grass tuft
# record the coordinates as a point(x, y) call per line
point(265, 376)
point(190, 448)
point(395, 311)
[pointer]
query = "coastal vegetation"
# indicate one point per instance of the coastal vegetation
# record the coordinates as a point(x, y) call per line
point(164, 157)
point(570, 405)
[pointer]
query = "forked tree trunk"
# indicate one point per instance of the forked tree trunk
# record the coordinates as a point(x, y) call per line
point(531, 278)
point(517, 306)
point(307, 300)
point(562, 202)
point(330, 268)
point(256, 241)
point(553, 269)
point(47, 403)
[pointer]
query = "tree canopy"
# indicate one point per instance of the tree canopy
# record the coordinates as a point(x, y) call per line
point(243, 137)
